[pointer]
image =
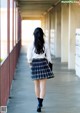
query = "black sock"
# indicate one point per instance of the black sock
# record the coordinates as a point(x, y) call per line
point(40, 100)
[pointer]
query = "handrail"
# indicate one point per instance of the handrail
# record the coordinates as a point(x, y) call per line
point(7, 70)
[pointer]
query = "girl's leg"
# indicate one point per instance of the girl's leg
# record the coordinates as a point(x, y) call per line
point(37, 88)
point(42, 88)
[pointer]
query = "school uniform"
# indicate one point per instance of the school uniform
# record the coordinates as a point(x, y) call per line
point(39, 63)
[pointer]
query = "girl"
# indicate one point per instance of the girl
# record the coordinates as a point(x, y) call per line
point(38, 56)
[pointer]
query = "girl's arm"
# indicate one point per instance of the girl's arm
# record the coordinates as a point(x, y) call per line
point(29, 54)
point(48, 54)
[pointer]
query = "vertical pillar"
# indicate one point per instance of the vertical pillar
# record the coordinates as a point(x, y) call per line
point(52, 32)
point(0, 56)
point(8, 45)
point(74, 22)
point(58, 30)
point(49, 26)
point(44, 23)
point(19, 26)
point(55, 33)
point(0, 33)
point(46, 27)
point(64, 32)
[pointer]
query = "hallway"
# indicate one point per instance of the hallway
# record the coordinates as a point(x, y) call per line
point(62, 95)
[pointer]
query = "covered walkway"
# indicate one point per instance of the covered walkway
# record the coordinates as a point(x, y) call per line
point(60, 20)
point(63, 92)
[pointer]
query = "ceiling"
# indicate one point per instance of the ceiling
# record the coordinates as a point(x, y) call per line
point(35, 8)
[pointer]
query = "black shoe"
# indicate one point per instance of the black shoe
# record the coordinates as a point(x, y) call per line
point(38, 109)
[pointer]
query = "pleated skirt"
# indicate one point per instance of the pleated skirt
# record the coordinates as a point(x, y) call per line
point(40, 69)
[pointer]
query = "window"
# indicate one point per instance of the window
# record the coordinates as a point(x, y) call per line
point(3, 29)
point(11, 24)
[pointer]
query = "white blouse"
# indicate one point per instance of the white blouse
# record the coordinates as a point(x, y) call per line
point(32, 55)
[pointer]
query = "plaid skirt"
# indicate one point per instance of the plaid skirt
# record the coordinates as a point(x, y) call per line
point(40, 69)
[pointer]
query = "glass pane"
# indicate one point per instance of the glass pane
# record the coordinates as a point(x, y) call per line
point(11, 25)
point(3, 29)
point(14, 23)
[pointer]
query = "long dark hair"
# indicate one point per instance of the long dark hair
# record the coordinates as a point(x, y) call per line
point(39, 40)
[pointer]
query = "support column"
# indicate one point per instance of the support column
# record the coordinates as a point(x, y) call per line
point(58, 30)
point(74, 22)
point(0, 35)
point(49, 21)
point(64, 32)
point(52, 32)
point(47, 32)
point(44, 27)
point(43, 23)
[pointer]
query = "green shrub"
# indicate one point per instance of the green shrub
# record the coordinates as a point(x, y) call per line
point(1, 60)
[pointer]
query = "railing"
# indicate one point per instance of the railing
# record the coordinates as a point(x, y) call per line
point(7, 73)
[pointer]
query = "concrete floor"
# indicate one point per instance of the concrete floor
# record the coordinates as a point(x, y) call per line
point(62, 95)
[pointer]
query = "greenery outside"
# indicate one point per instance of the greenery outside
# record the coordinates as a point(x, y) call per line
point(1, 60)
